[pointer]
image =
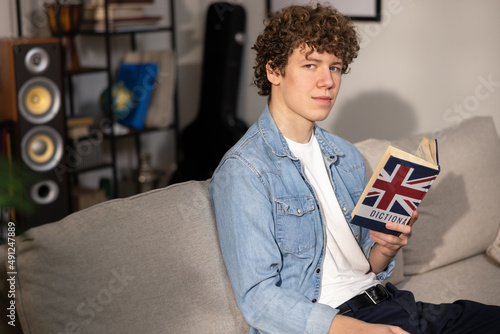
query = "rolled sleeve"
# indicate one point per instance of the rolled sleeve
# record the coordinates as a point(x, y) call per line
point(320, 319)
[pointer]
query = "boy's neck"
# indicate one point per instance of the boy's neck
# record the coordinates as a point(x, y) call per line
point(294, 128)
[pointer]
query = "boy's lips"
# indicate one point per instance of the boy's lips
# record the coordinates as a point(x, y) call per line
point(323, 99)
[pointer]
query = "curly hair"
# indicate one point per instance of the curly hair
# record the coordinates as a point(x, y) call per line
point(321, 28)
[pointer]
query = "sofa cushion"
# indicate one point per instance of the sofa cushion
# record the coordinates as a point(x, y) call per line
point(475, 278)
point(145, 264)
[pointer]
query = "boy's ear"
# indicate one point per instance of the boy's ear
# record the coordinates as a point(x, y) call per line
point(272, 75)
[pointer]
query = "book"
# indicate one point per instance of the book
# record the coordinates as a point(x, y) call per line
point(112, 3)
point(98, 13)
point(140, 80)
point(79, 120)
point(78, 127)
point(160, 113)
point(398, 184)
point(121, 24)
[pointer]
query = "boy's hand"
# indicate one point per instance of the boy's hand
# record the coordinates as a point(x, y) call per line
point(388, 244)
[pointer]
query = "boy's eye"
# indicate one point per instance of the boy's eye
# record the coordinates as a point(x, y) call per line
point(309, 66)
point(334, 69)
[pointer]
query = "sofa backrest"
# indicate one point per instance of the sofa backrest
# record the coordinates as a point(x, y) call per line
point(145, 264)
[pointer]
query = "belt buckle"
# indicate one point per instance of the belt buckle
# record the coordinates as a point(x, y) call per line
point(368, 295)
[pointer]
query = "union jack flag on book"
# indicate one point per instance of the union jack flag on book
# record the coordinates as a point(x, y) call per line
point(395, 191)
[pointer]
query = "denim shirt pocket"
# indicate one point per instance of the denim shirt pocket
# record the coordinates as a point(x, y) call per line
point(295, 224)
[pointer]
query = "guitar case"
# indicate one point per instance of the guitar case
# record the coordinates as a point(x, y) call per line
point(216, 127)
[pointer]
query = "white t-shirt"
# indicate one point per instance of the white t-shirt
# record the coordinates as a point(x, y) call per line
point(345, 271)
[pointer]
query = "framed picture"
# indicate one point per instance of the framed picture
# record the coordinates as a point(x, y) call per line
point(364, 10)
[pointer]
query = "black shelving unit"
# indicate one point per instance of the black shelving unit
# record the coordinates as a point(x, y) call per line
point(107, 34)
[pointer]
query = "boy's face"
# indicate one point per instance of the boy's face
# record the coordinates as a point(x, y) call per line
point(309, 88)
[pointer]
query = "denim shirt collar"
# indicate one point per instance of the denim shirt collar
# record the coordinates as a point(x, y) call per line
point(278, 145)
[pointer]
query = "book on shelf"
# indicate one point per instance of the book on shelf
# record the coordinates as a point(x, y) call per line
point(140, 80)
point(76, 132)
point(96, 10)
point(120, 3)
point(121, 23)
point(97, 13)
point(79, 120)
point(85, 143)
point(122, 15)
point(161, 110)
point(398, 184)
point(78, 127)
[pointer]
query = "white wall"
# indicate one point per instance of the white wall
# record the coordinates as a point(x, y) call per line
point(7, 23)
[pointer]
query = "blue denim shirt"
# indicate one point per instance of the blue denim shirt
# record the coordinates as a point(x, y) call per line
point(271, 229)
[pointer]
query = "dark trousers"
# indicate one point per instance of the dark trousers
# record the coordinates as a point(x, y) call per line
point(418, 318)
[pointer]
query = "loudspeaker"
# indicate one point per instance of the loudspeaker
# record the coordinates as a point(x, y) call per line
point(31, 92)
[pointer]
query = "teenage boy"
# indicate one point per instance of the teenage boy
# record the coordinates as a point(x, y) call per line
point(284, 193)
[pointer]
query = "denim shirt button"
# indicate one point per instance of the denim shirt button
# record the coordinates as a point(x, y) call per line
point(344, 209)
point(314, 300)
point(298, 211)
point(318, 271)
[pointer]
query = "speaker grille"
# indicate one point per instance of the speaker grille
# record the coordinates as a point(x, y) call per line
point(39, 100)
point(44, 192)
point(37, 60)
point(41, 148)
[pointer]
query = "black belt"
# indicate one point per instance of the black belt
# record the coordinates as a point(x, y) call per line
point(372, 296)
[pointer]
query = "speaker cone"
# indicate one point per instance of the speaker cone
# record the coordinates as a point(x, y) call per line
point(44, 192)
point(41, 148)
point(39, 100)
point(37, 60)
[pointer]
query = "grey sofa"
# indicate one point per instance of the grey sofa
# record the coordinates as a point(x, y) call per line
point(151, 263)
